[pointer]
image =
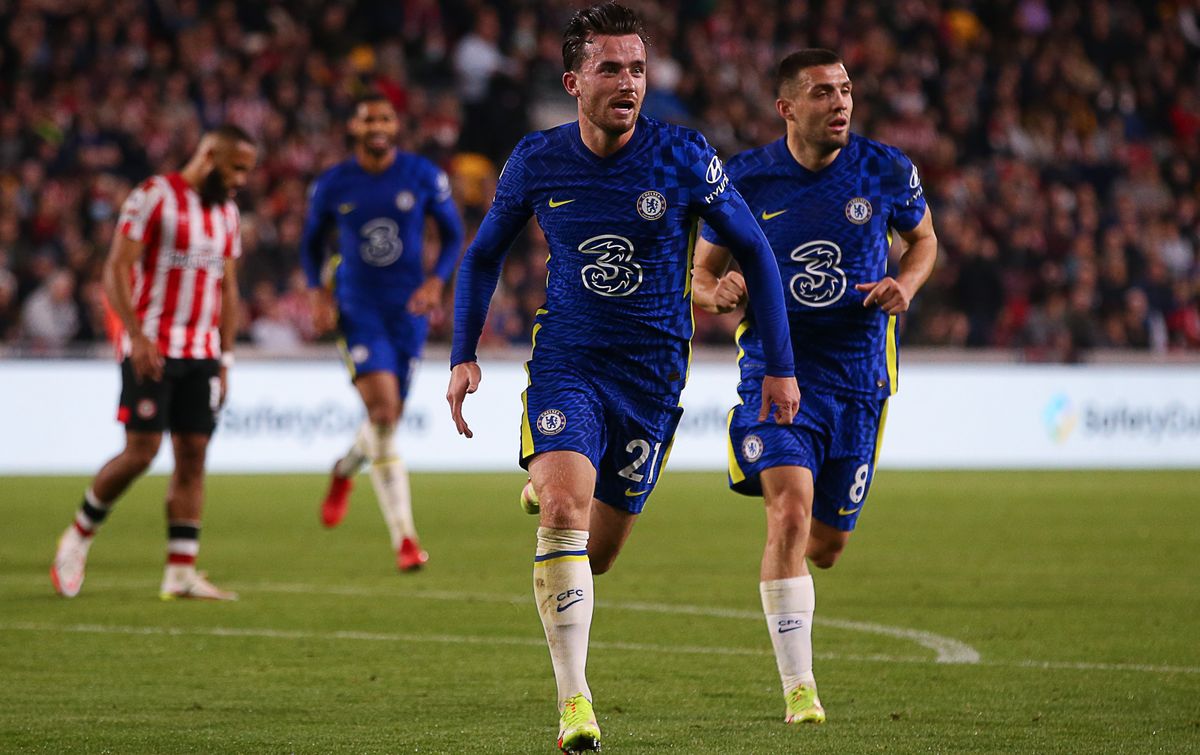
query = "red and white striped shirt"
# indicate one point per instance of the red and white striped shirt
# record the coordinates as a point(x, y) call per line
point(176, 287)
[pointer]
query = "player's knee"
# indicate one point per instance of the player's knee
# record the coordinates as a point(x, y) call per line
point(787, 519)
point(189, 458)
point(141, 452)
point(824, 555)
point(561, 505)
point(384, 414)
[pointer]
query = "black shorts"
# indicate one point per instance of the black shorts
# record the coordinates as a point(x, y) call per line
point(186, 400)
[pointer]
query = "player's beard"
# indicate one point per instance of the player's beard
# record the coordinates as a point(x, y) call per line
point(375, 151)
point(213, 190)
point(827, 143)
point(602, 116)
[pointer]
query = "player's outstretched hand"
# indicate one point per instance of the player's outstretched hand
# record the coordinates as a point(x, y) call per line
point(464, 379)
point(784, 394)
point(147, 362)
point(888, 293)
point(730, 292)
point(428, 298)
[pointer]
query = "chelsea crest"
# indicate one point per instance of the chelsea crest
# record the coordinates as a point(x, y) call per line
point(858, 211)
point(651, 205)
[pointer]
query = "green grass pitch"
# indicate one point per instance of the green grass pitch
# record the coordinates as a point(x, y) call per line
point(972, 612)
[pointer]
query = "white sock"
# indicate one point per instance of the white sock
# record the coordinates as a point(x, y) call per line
point(390, 479)
point(354, 460)
point(789, 605)
point(562, 587)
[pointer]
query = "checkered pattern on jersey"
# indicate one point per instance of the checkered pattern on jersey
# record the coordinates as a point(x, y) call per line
point(620, 231)
point(830, 230)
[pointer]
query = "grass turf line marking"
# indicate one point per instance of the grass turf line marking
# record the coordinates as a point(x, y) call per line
point(945, 649)
point(530, 642)
point(446, 639)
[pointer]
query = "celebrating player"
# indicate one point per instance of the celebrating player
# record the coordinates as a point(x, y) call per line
point(827, 200)
point(379, 297)
point(171, 279)
point(616, 194)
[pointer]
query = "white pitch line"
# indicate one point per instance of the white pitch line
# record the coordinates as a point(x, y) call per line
point(441, 639)
point(530, 642)
point(946, 649)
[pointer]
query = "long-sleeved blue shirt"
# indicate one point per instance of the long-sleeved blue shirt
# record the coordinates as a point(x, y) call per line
point(380, 222)
point(621, 231)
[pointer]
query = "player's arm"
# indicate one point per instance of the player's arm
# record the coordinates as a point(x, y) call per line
point(477, 279)
point(733, 222)
point(715, 287)
point(445, 215)
point(124, 253)
point(312, 258)
point(231, 307)
point(893, 295)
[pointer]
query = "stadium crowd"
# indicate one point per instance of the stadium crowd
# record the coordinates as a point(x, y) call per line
point(1059, 142)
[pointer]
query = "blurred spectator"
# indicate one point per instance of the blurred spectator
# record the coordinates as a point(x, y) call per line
point(50, 316)
point(270, 328)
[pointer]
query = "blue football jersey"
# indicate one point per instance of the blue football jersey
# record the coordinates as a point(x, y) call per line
point(621, 232)
point(380, 224)
point(830, 230)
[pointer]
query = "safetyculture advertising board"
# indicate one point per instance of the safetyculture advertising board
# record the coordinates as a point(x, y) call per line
point(58, 417)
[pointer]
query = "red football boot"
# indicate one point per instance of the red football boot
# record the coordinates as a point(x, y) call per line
point(410, 557)
point(337, 500)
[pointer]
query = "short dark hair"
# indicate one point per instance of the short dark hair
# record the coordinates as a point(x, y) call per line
point(610, 19)
point(233, 134)
point(791, 66)
point(368, 97)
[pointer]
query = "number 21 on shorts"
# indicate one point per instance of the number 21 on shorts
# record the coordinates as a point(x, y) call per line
point(643, 452)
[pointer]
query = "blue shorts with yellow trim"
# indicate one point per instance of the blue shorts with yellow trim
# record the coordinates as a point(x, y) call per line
point(835, 437)
point(625, 433)
point(380, 337)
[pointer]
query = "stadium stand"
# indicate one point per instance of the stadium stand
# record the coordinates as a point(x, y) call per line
point(1059, 141)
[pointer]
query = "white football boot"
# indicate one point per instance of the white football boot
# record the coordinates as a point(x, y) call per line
point(69, 561)
point(184, 582)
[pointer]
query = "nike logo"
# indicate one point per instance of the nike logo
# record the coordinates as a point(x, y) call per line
point(346, 208)
point(573, 602)
point(634, 493)
point(790, 625)
point(768, 215)
point(560, 204)
point(843, 511)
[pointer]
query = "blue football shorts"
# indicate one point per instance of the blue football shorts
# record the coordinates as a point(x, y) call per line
point(378, 337)
point(624, 431)
point(835, 437)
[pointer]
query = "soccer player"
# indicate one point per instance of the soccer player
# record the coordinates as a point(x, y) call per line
point(171, 280)
point(617, 195)
point(828, 201)
point(379, 297)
